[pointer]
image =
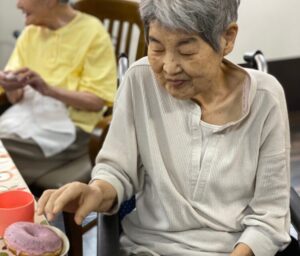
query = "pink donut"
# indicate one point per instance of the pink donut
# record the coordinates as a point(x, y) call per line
point(26, 238)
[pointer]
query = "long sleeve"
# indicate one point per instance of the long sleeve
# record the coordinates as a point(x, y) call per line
point(118, 161)
point(266, 224)
point(16, 59)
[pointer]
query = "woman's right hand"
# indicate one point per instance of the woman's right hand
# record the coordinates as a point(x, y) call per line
point(11, 82)
point(75, 197)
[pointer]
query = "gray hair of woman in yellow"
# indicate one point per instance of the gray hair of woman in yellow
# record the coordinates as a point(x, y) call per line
point(207, 18)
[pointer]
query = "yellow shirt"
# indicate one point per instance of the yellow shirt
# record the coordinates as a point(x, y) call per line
point(76, 57)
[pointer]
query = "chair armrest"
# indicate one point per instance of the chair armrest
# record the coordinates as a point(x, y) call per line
point(108, 235)
point(295, 209)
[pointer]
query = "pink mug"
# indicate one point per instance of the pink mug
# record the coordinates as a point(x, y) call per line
point(15, 205)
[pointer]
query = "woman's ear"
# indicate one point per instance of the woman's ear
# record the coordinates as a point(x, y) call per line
point(228, 38)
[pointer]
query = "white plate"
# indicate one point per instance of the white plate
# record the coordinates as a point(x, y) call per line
point(66, 244)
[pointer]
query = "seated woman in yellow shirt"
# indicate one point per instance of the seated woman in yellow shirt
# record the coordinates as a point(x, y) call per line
point(62, 57)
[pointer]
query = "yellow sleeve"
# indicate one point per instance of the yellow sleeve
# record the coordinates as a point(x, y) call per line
point(99, 69)
point(16, 59)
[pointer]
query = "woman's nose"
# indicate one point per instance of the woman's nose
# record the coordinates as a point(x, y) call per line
point(171, 65)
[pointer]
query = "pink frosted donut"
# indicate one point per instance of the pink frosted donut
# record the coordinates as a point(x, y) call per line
point(31, 239)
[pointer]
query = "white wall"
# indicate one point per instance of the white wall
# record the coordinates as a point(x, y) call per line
point(272, 26)
point(10, 19)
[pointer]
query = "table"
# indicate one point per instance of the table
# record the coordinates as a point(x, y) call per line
point(10, 178)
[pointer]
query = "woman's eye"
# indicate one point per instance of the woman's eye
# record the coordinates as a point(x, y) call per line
point(157, 50)
point(187, 53)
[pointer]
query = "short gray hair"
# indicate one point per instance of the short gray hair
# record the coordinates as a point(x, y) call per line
point(208, 18)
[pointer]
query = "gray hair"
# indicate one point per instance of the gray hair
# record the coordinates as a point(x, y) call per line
point(208, 18)
point(64, 1)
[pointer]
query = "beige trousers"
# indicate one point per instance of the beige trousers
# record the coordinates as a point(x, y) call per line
point(32, 163)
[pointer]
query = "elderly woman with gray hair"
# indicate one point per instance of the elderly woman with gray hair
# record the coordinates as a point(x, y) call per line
point(59, 77)
point(201, 142)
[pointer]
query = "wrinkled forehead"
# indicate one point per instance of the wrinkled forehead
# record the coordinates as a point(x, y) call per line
point(156, 27)
point(157, 30)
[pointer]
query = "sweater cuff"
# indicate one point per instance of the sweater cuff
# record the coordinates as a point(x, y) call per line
point(259, 243)
point(118, 187)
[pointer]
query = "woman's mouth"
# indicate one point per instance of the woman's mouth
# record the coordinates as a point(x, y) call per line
point(175, 83)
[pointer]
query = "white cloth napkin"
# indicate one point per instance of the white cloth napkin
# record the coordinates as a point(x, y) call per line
point(41, 118)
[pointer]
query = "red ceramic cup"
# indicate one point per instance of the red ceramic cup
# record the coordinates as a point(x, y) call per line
point(15, 205)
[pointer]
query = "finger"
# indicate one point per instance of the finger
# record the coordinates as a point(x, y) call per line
point(33, 82)
point(48, 208)
point(25, 76)
point(88, 205)
point(43, 201)
point(4, 83)
point(10, 76)
point(10, 85)
point(71, 194)
point(21, 70)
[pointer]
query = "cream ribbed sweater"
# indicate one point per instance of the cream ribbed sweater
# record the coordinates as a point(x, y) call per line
point(239, 192)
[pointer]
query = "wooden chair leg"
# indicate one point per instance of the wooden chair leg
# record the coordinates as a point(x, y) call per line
point(74, 233)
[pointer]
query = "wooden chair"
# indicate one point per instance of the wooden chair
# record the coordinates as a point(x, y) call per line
point(122, 20)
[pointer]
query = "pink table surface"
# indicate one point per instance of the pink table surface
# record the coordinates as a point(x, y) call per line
point(10, 178)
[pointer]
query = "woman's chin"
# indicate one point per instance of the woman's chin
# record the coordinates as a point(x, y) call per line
point(28, 22)
point(178, 95)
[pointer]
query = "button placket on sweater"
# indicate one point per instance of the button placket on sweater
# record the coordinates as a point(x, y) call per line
point(199, 173)
point(196, 149)
point(205, 167)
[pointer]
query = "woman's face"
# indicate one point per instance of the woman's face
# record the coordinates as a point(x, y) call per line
point(184, 64)
point(35, 11)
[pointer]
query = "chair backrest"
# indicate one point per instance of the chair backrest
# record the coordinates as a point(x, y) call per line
point(122, 20)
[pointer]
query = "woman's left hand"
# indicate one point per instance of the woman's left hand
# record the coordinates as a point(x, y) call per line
point(78, 99)
point(34, 80)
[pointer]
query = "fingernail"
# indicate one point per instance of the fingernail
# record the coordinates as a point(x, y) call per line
point(78, 220)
